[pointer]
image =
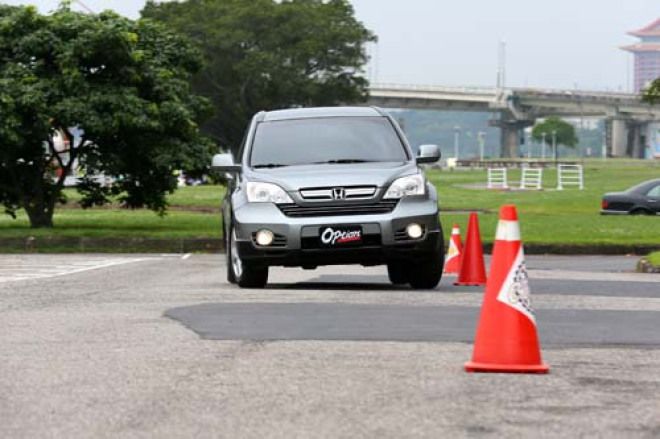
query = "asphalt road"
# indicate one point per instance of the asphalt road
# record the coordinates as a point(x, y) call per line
point(161, 346)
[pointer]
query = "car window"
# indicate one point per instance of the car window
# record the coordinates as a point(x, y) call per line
point(640, 188)
point(654, 192)
point(326, 140)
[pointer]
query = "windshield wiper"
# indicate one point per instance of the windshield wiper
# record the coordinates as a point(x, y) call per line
point(342, 161)
point(269, 165)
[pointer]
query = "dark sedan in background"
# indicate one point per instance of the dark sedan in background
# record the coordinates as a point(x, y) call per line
point(643, 199)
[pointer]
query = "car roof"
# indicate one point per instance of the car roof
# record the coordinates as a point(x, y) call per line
point(643, 185)
point(651, 181)
point(305, 113)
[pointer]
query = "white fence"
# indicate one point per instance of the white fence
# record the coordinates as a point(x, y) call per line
point(531, 178)
point(497, 178)
point(570, 175)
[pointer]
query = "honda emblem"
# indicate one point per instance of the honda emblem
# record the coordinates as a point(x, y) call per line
point(338, 193)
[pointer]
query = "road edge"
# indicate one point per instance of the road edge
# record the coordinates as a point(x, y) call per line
point(215, 245)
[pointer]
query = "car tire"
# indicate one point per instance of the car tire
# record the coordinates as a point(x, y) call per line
point(398, 272)
point(245, 274)
point(640, 211)
point(231, 278)
point(426, 274)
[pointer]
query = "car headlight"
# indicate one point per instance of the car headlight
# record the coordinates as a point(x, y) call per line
point(405, 186)
point(258, 192)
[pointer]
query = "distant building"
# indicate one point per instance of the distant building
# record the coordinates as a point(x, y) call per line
point(647, 54)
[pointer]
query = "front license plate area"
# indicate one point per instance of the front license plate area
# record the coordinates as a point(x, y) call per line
point(340, 236)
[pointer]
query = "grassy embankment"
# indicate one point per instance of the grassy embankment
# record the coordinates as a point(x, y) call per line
point(547, 217)
point(654, 258)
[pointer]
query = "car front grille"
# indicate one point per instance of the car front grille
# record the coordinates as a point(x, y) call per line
point(374, 208)
point(348, 193)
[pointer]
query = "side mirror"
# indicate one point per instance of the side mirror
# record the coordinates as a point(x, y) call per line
point(225, 163)
point(428, 154)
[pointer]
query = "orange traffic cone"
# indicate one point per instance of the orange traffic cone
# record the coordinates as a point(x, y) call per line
point(473, 270)
point(506, 339)
point(454, 252)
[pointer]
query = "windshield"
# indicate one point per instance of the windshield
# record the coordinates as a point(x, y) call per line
point(334, 140)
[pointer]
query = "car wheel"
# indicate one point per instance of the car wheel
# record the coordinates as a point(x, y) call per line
point(231, 278)
point(426, 274)
point(246, 275)
point(640, 211)
point(397, 272)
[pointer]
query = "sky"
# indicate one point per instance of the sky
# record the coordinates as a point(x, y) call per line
point(553, 44)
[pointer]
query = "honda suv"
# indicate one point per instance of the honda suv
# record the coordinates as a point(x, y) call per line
point(322, 186)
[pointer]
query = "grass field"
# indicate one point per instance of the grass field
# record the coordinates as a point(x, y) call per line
point(547, 217)
point(654, 258)
point(551, 216)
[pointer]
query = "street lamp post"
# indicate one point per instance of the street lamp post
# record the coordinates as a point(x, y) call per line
point(457, 133)
point(543, 146)
point(554, 145)
point(481, 138)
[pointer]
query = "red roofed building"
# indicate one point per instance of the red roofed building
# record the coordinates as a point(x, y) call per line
point(647, 54)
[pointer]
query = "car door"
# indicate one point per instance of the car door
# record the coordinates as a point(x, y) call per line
point(652, 198)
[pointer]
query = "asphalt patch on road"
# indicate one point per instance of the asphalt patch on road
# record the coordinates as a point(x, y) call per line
point(323, 321)
point(595, 288)
point(538, 286)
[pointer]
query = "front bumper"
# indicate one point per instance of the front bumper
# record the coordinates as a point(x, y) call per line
point(297, 239)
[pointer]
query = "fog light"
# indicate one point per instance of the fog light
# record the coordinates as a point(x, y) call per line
point(414, 231)
point(265, 237)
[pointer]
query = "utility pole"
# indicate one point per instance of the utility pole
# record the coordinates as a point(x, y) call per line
point(543, 146)
point(457, 133)
point(554, 144)
point(501, 65)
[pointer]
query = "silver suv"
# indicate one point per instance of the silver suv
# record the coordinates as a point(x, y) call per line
point(322, 186)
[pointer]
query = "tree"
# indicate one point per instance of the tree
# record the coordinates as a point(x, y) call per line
point(652, 93)
point(565, 132)
point(267, 54)
point(123, 85)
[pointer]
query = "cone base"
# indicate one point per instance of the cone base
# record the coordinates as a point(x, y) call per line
point(472, 366)
point(469, 284)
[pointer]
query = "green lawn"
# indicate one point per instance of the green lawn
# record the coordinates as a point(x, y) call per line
point(551, 216)
point(118, 223)
point(547, 217)
point(654, 258)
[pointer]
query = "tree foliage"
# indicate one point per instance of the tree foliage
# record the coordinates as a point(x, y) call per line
point(565, 131)
point(267, 54)
point(122, 84)
point(652, 93)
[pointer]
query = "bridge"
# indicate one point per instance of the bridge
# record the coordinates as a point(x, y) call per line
point(627, 118)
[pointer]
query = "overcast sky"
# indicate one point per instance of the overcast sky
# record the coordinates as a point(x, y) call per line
point(559, 43)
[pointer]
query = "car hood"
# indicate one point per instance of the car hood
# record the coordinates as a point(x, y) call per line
point(293, 178)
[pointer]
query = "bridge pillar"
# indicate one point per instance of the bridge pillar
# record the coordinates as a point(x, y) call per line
point(626, 138)
point(618, 138)
point(510, 134)
point(637, 132)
